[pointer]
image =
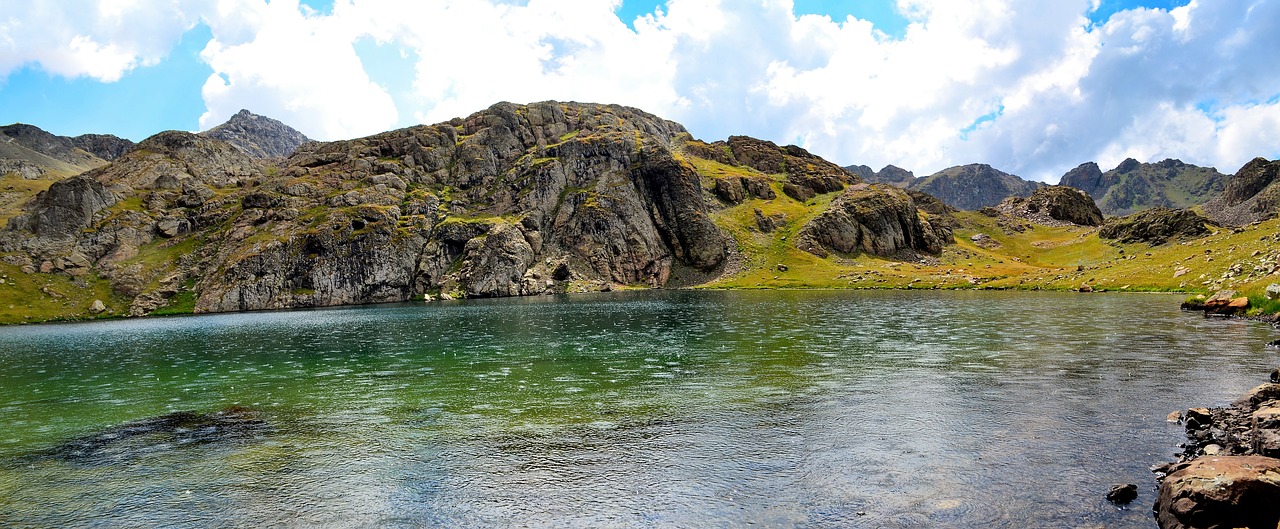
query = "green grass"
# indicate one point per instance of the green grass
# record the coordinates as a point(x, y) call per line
point(29, 298)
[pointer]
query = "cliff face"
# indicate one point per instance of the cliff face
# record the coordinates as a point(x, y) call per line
point(1252, 194)
point(258, 136)
point(514, 200)
point(1134, 186)
point(974, 186)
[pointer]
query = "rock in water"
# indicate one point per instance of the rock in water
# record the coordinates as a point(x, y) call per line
point(133, 440)
point(1122, 494)
point(1224, 491)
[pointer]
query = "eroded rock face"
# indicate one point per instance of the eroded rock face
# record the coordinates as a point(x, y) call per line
point(1156, 226)
point(1223, 491)
point(876, 219)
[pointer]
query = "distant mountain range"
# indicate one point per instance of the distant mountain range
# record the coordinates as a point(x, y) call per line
point(966, 187)
point(1133, 186)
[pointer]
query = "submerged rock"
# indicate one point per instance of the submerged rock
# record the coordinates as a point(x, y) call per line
point(147, 436)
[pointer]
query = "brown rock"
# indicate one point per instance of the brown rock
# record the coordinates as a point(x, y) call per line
point(1226, 491)
point(1262, 393)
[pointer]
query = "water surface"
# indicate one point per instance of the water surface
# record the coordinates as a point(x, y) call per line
point(648, 409)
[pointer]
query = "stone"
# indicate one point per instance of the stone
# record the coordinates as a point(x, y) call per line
point(1085, 288)
point(1052, 206)
point(1221, 491)
point(1197, 418)
point(1122, 494)
point(1260, 394)
point(97, 307)
point(1174, 416)
point(729, 190)
point(1273, 291)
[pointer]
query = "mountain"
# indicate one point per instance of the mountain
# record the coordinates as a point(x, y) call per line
point(34, 154)
point(258, 136)
point(1250, 195)
point(974, 186)
point(1134, 186)
point(31, 159)
point(892, 175)
point(513, 200)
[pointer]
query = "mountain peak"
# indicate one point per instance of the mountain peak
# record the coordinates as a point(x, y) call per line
point(258, 136)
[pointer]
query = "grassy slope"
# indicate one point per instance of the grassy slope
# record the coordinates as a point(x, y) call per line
point(1038, 258)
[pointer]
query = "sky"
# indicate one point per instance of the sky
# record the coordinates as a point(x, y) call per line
point(1032, 87)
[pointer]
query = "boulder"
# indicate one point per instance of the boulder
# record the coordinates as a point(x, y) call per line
point(65, 208)
point(1222, 491)
point(1122, 494)
point(729, 190)
point(1273, 291)
point(97, 307)
point(1156, 226)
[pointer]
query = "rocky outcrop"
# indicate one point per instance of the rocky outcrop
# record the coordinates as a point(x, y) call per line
point(67, 207)
point(805, 175)
point(876, 219)
point(514, 200)
point(1133, 186)
point(1054, 206)
point(1156, 226)
point(975, 186)
point(33, 153)
point(1250, 195)
point(1228, 474)
point(258, 136)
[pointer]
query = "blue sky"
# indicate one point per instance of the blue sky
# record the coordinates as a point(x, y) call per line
point(1031, 86)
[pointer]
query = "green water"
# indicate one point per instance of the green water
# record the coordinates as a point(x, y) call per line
point(649, 409)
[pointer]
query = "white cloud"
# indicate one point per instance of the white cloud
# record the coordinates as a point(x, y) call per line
point(1030, 86)
point(79, 38)
point(300, 69)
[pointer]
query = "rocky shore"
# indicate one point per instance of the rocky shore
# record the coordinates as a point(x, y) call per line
point(1229, 472)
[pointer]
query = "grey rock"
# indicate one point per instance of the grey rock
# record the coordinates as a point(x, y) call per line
point(875, 219)
point(258, 136)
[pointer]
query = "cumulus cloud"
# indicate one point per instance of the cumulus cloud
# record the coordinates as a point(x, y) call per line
point(301, 69)
point(1030, 86)
point(79, 38)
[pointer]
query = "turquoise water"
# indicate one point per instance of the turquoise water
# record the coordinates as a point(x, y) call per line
point(644, 409)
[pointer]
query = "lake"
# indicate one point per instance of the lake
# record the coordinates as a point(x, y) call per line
point(634, 409)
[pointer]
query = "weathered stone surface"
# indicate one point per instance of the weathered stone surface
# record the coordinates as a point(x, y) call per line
point(729, 190)
point(1221, 491)
point(1273, 291)
point(97, 307)
point(1156, 226)
point(875, 219)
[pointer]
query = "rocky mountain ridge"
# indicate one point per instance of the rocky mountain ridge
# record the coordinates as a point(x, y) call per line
point(32, 153)
point(258, 136)
point(1134, 186)
point(1250, 195)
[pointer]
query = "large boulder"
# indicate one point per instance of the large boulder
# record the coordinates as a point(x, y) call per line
point(65, 208)
point(876, 219)
point(1221, 492)
point(1054, 205)
point(1156, 226)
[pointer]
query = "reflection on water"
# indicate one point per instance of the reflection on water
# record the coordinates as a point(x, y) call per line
point(651, 409)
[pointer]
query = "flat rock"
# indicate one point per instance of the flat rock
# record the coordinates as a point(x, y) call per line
point(1223, 491)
